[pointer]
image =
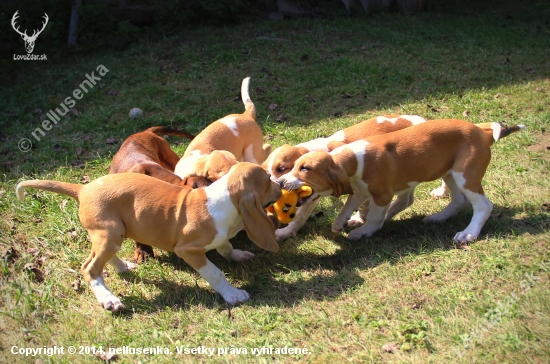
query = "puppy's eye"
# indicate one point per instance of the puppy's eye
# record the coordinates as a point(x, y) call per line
point(280, 169)
point(303, 168)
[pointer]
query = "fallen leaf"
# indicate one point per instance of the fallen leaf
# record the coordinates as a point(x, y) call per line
point(76, 284)
point(85, 179)
point(38, 274)
point(310, 98)
point(390, 347)
point(281, 118)
point(346, 96)
point(275, 89)
point(38, 111)
point(63, 204)
point(110, 140)
point(72, 233)
point(363, 81)
point(74, 111)
point(273, 106)
point(466, 113)
point(112, 93)
point(78, 151)
point(432, 108)
point(86, 137)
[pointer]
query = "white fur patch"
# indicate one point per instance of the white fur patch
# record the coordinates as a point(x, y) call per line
point(231, 123)
point(248, 155)
point(414, 119)
point(222, 210)
point(186, 165)
point(315, 144)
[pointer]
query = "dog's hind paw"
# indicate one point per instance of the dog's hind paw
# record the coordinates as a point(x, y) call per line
point(355, 235)
point(240, 255)
point(355, 222)
point(236, 296)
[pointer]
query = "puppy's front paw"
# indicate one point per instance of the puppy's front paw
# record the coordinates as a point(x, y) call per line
point(240, 255)
point(439, 192)
point(284, 233)
point(464, 237)
point(236, 296)
point(355, 234)
point(337, 227)
point(111, 303)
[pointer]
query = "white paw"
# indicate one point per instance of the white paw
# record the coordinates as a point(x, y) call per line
point(284, 233)
point(337, 227)
point(355, 234)
point(355, 222)
point(129, 266)
point(111, 303)
point(464, 237)
point(236, 296)
point(240, 255)
point(439, 192)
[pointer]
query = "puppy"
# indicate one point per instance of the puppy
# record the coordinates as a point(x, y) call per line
point(238, 134)
point(379, 167)
point(282, 160)
point(186, 221)
point(148, 153)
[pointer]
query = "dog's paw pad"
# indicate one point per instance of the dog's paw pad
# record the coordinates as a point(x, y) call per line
point(236, 296)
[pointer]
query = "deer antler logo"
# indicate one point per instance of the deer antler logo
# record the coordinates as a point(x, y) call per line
point(29, 41)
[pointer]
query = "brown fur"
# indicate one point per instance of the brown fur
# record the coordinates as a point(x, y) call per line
point(148, 153)
point(169, 217)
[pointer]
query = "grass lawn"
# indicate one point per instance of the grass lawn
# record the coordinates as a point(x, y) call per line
point(407, 294)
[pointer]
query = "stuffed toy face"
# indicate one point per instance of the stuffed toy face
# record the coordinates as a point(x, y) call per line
point(286, 206)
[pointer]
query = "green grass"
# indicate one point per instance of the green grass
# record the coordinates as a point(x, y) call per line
point(407, 289)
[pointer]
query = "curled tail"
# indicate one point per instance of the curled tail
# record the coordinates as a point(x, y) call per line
point(248, 104)
point(161, 130)
point(498, 131)
point(64, 188)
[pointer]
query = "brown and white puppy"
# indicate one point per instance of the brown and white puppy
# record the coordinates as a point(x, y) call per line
point(282, 160)
point(188, 222)
point(379, 167)
point(148, 153)
point(238, 134)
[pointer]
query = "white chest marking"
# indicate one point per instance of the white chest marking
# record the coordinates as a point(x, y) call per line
point(222, 210)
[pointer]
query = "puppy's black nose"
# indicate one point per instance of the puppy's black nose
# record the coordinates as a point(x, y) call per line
point(281, 183)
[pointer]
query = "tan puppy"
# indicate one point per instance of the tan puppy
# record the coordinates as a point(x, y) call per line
point(282, 160)
point(148, 153)
point(238, 134)
point(379, 167)
point(186, 221)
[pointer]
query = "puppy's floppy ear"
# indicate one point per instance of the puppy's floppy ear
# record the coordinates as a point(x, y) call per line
point(258, 226)
point(339, 180)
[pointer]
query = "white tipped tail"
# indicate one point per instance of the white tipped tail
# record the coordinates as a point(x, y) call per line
point(63, 188)
point(248, 104)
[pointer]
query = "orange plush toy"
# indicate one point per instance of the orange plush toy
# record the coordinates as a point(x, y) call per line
point(285, 207)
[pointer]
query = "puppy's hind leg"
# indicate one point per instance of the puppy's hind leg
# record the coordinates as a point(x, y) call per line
point(212, 274)
point(482, 210)
point(105, 245)
point(458, 202)
point(403, 200)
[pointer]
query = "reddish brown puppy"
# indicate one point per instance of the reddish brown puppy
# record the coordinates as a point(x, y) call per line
point(379, 167)
point(148, 153)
